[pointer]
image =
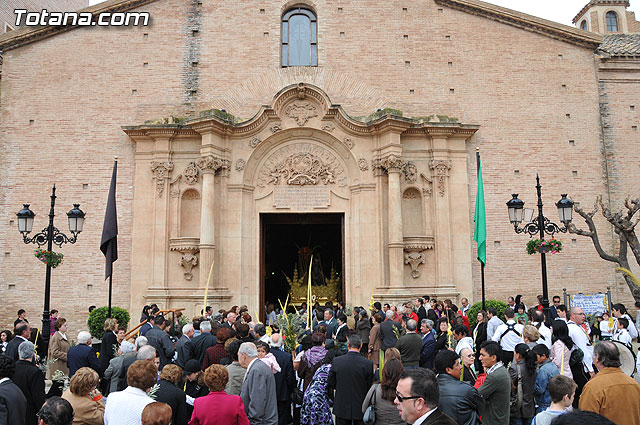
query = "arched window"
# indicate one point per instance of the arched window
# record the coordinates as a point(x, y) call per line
point(612, 22)
point(583, 25)
point(299, 38)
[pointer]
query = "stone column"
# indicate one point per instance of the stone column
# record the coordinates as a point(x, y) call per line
point(161, 171)
point(208, 165)
point(440, 172)
point(394, 165)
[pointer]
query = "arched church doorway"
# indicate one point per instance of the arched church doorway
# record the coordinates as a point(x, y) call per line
point(287, 243)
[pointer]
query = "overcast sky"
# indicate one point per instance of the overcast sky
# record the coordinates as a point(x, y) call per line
point(561, 11)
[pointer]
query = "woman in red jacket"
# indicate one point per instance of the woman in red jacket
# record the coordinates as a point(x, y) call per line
point(218, 408)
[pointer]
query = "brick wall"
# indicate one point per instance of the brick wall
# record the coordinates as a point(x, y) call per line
point(535, 98)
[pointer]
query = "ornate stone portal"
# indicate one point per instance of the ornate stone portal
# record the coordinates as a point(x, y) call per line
point(301, 155)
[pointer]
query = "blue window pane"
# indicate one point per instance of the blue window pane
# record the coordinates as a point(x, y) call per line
point(314, 55)
point(285, 31)
point(285, 59)
point(299, 41)
point(313, 32)
point(612, 22)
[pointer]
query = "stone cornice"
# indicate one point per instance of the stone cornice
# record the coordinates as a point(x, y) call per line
point(545, 27)
point(27, 35)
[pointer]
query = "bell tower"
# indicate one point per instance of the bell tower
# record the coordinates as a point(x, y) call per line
point(607, 17)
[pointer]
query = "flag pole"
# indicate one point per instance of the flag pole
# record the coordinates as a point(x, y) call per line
point(110, 288)
point(481, 262)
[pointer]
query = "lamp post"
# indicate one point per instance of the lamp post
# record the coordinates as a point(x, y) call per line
point(541, 225)
point(50, 235)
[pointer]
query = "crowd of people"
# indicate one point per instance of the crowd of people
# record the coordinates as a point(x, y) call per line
point(418, 363)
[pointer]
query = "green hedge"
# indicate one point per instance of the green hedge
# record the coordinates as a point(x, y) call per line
point(99, 315)
point(472, 313)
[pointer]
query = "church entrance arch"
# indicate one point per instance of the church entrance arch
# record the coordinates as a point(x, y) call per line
point(287, 243)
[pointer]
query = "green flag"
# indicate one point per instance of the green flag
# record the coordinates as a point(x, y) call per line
point(480, 232)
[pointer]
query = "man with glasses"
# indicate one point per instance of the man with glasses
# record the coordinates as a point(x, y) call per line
point(417, 397)
point(553, 310)
point(55, 411)
point(582, 372)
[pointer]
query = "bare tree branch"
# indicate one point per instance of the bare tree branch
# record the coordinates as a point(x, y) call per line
point(593, 232)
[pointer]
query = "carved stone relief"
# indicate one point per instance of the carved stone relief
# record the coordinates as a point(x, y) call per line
point(191, 173)
point(188, 261)
point(240, 164)
point(213, 164)
point(350, 144)
point(301, 112)
point(328, 127)
point(302, 164)
point(254, 142)
point(410, 172)
point(362, 164)
point(275, 128)
point(440, 172)
point(427, 185)
point(161, 171)
point(393, 163)
point(414, 259)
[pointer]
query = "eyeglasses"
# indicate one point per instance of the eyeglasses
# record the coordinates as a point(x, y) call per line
point(401, 398)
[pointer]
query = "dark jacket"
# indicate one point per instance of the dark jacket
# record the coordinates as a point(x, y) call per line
point(496, 392)
point(351, 376)
point(127, 360)
point(422, 314)
point(285, 379)
point(145, 328)
point(160, 340)
point(428, 353)
point(410, 346)
point(108, 350)
point(180, 348)
point(439, 418)
point(176, 399)
point(13, 404)
point(29, 378)
point(388, 335)
point(82, 355)
point(197, 347)
point(442, 342)
point(459, 400)
point(12, 347)
point(332, 326)
point(363, 327)
point(528, 409)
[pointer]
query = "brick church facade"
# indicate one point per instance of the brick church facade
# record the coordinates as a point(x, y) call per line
point(240, 125)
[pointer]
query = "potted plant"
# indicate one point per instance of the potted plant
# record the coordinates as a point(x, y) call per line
point(544, 245)
point(53, 259)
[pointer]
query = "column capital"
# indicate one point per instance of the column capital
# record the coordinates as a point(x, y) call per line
point(209, 164)
point(390, 163)
point(440, 169)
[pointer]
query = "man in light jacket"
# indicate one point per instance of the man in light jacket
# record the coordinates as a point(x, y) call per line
point(259, 387)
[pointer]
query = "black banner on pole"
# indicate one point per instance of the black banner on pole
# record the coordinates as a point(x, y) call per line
point(109, 242)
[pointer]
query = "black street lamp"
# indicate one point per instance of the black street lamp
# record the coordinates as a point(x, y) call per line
point(49, 235)
point(542, 225)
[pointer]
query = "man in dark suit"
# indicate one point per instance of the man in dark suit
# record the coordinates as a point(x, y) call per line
point(285, 380)
point(427, 353)
point(159, 339)
point(197, 347)
point(82, 355)
point(29, 378)
point(422, 312)
point(13, 404)
point(351, 376)
point(22, 334)
point(258, 391)
point(330, 321)
point(417, 397)
point(389, 338)
point(187, 335)
point(553, 310)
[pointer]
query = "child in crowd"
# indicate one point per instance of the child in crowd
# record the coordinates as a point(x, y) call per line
point(622, 334)
point(607, 326)
point(546, 370)
point(268, 358)
point(562, 390)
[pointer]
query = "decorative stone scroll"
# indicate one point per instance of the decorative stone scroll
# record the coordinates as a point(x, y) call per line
point(301, 112)
point(414, 259)
point(302, 164)
point(191, 173)
point(328, 127)
point(427, 183)
point(410, 172)
point(349, 143)
point(440, 169)
point(275, 128)
point(362, 164)
point(240, 164)
point(254, 142)
point(188, 261)
point(161, 171)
